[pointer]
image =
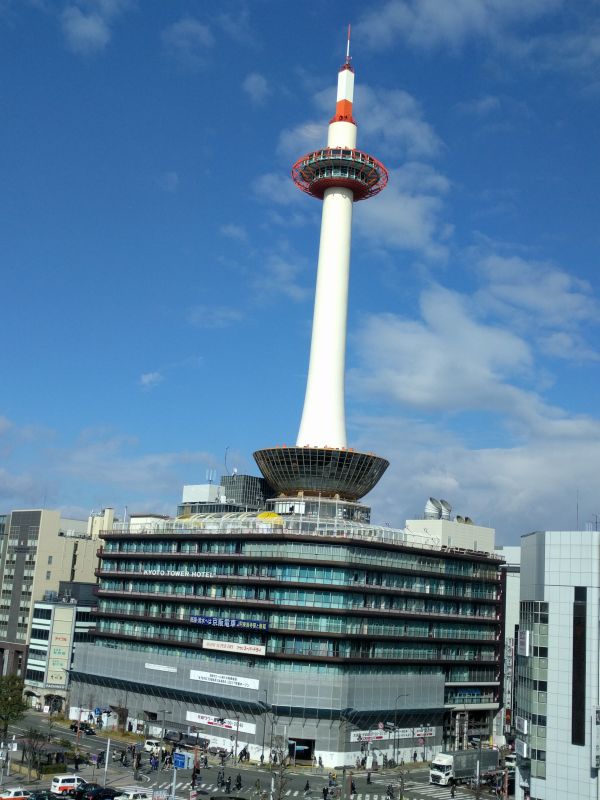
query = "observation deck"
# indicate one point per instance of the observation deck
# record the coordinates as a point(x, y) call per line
point(333, 167)
point(320, 471)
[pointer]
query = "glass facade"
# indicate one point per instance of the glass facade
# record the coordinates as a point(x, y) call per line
point(353, 598)
point(532, 683)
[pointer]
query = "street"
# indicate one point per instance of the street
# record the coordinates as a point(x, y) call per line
point(254, 778)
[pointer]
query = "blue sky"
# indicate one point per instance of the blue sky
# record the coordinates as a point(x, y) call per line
point(158, 264)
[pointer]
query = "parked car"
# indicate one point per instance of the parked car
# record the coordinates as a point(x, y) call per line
point(41, 794)
point(66, 784)
point(13, 793)
point(151, 744)
point(100, 793)
point(84, 727)
point(190, 740)
point(135, 793)
point(81, 791)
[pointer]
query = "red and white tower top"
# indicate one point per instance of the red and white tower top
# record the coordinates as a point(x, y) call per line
point(340, 163)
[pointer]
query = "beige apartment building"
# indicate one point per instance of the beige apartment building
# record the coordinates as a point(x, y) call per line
point(39, 549)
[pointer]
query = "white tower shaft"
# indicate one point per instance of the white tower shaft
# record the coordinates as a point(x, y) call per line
point(324, 418)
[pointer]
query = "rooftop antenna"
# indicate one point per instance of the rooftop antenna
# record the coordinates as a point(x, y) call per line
point(348, 59)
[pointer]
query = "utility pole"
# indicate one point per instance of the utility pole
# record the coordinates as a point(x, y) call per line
point(237, 733)
point(264, 725)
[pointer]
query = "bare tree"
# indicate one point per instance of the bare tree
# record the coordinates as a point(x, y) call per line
point(33, 747)
point(280, 768)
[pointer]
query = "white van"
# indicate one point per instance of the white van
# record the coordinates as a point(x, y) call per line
point(151, 744)
point(134, 793)
point(61, 784)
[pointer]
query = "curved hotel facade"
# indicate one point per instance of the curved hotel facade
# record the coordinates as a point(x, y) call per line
point(257, 624)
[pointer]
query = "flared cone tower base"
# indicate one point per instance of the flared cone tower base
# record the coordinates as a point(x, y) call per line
point(323, 471)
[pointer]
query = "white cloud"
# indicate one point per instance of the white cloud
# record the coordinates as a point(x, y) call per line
point(233, 231)
point(480, 107)
point(86, 24)
point(277, 188)
point(303, 138)
point(431, 23)
point(109, 462)
point(533, 292)
point(148, 380)
point(213, 316)
point(86, 33)
point(568, 346)
point(257, 88)
point(188, 40)
point(529, 486)
point(279, 276)
point(407, 214)
point(447, 361)
point(169, 181)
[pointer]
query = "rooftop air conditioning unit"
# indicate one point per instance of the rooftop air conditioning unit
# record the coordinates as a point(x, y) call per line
point(446, 509)
point(433, 509)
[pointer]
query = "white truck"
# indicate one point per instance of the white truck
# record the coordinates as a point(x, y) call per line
point(461, 765)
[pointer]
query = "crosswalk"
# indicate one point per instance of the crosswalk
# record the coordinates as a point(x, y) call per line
point(410, 793)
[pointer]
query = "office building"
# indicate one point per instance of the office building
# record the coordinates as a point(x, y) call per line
point(557, 713)
point(40, 549)
point(59, 622)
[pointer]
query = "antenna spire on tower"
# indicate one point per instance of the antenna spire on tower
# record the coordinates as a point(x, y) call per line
point(348, 59)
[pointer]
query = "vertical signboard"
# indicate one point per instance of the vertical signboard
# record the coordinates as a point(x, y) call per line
point(60, 646)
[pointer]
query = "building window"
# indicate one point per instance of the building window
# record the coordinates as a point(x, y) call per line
point(48, 574)
point(578, 672)
point(49, 559)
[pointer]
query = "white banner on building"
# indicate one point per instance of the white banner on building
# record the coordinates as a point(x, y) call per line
point(234, 647)
point(220, 722)
point(521, 724)
point(160, 667)
point(523, 643)
point(399, 733)
point(224, 680)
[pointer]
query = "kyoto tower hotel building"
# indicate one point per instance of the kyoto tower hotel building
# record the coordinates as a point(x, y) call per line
point(300, 622)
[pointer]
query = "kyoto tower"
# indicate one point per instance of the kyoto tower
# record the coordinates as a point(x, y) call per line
point(321, 462)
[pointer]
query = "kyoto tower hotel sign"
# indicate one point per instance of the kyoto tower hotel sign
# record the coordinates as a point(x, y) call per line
point(339, 175)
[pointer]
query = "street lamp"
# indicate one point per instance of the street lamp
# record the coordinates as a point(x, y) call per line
point(164, 712)
point(264, 725)
point(395, 748)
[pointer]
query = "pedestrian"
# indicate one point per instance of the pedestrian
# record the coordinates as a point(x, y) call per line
point(415, 757)
point(262, 759)
point(352, 788)
point(228, 784)
point(238, 781)
point(369, 777)
point(306, 787)
point(320, 762)
point(325, 792)
point(452, 789)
